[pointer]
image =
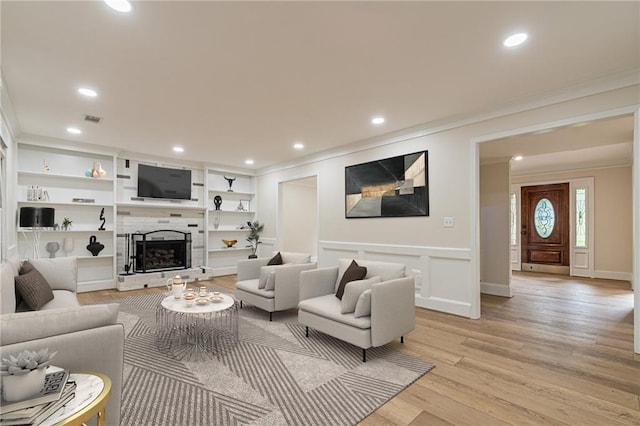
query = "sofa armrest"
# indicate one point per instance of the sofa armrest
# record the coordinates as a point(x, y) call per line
point(98, 350)
point(287, 284)
point(393, 310)
point(318, 282)
point(249, 269)
point(32, 325)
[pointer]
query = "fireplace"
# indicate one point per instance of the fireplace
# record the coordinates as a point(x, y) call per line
point(163, 250)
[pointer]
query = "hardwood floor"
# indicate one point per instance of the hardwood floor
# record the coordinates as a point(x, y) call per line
point(559, 352)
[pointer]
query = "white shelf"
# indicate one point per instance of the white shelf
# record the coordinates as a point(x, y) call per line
point(232, 211)
point(229, 249)
point(238, 194)
point(161, 206)
point(100, 256)
point(52, 203)
point(229, 230)
point(55, 175)
point(60, 231)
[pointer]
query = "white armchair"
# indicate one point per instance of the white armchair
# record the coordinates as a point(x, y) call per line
point(384, 304)
point(272, 288)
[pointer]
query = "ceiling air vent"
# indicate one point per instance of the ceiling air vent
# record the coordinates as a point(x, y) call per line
point(92, 118)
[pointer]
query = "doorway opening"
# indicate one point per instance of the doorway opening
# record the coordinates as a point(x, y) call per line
point(298, 216)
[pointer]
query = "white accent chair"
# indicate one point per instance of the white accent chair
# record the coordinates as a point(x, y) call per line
point(282, 291)
point(392, 304)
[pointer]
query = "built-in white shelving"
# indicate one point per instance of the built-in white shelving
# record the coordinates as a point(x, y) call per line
point(168, 206)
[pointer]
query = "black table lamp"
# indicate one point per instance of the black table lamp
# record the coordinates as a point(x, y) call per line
point(36, 218)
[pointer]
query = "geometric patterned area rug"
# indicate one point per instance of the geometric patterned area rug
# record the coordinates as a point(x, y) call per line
point(274, 375)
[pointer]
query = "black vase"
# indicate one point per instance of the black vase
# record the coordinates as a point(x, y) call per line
point(94, 246)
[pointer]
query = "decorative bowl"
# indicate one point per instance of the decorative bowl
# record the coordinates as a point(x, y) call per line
point(229, 243)
point(216, 299)
point(202, 301)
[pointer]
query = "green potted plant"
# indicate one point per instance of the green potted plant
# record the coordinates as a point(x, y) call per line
point(66, 224)
point(23, 375)
point(255, 228)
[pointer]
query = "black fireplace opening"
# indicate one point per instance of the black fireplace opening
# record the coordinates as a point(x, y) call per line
point(162, 250)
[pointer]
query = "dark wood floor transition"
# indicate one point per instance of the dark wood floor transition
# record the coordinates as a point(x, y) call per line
point(559, 352)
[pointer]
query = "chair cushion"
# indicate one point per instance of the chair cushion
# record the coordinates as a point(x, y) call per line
point(62, 299)
point(328, 306)
point(60, 272)
point(352, 273)
point(275, 260)
point(352, 293)
point(33, 288)
point(251, 286)
point(363, 306)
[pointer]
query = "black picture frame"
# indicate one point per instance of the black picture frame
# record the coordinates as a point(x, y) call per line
point(392, 187)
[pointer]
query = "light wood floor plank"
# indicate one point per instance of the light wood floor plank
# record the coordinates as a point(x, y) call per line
point(559, 351)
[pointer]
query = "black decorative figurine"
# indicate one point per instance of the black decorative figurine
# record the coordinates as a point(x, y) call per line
point(217, 200)
point(103, 220)
point(94, 246)
point(230, 180)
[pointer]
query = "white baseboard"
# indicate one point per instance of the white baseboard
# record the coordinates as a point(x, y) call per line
point(613, 275)
point(495, 289)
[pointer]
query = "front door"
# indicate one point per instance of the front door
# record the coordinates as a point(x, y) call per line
point(545, 228)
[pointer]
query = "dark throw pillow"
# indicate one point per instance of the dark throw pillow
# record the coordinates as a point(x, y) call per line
point(353, 273)
point(26, 267)
point(33, 288)
point(275, 260)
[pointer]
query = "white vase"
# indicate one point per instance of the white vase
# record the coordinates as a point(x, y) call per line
point(67, 245)
point(216, 219)
point(17, 388)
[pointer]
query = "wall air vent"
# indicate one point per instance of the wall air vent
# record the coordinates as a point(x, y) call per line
point(92, 118)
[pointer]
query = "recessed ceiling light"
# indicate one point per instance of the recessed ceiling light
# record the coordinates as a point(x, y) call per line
point(119, 5)
point(377, 120)
point(87, 92)
point(178, 149)
point(249, 162)
point(515, 40)
point(298, 145)
point(518, 157)
point(74, 130)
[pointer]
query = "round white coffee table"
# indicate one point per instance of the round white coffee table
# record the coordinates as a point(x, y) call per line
point(196, 331)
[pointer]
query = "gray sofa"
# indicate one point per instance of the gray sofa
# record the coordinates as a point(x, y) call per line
point(87, 338)
point(389, 304)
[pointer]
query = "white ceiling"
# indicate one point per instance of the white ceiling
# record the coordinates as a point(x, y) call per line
point(237, 80)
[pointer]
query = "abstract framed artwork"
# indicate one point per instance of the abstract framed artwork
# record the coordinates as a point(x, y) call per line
point(393, 187)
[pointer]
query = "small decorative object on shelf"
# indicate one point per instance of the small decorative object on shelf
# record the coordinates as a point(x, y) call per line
point(45, 166)
point(230, 180)
point(67, 246)
point(216, 219)
point(256, 229)
point(97, 171)
point(94, 246)
point(229, 243)
point(66, 224)
point(101, 228)
point(240, 207)
point(52, 247)
point(217, 202)
point(37, 193)
point(23, 375)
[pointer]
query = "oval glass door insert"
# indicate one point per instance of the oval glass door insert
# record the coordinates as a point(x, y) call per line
point(544, 218)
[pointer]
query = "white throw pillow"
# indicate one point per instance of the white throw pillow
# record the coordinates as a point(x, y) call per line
point(352, 293)
point(271, 281)
point(363, 307)
point(265, 271)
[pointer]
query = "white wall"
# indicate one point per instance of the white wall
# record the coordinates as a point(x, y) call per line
point(299, 220)
point(495, 265)
point(9, 203)
point(449, 272)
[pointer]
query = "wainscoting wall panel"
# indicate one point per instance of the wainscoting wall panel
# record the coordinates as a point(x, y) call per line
point(442, 275)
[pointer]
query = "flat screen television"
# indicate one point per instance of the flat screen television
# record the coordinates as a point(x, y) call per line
point(161, 182)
